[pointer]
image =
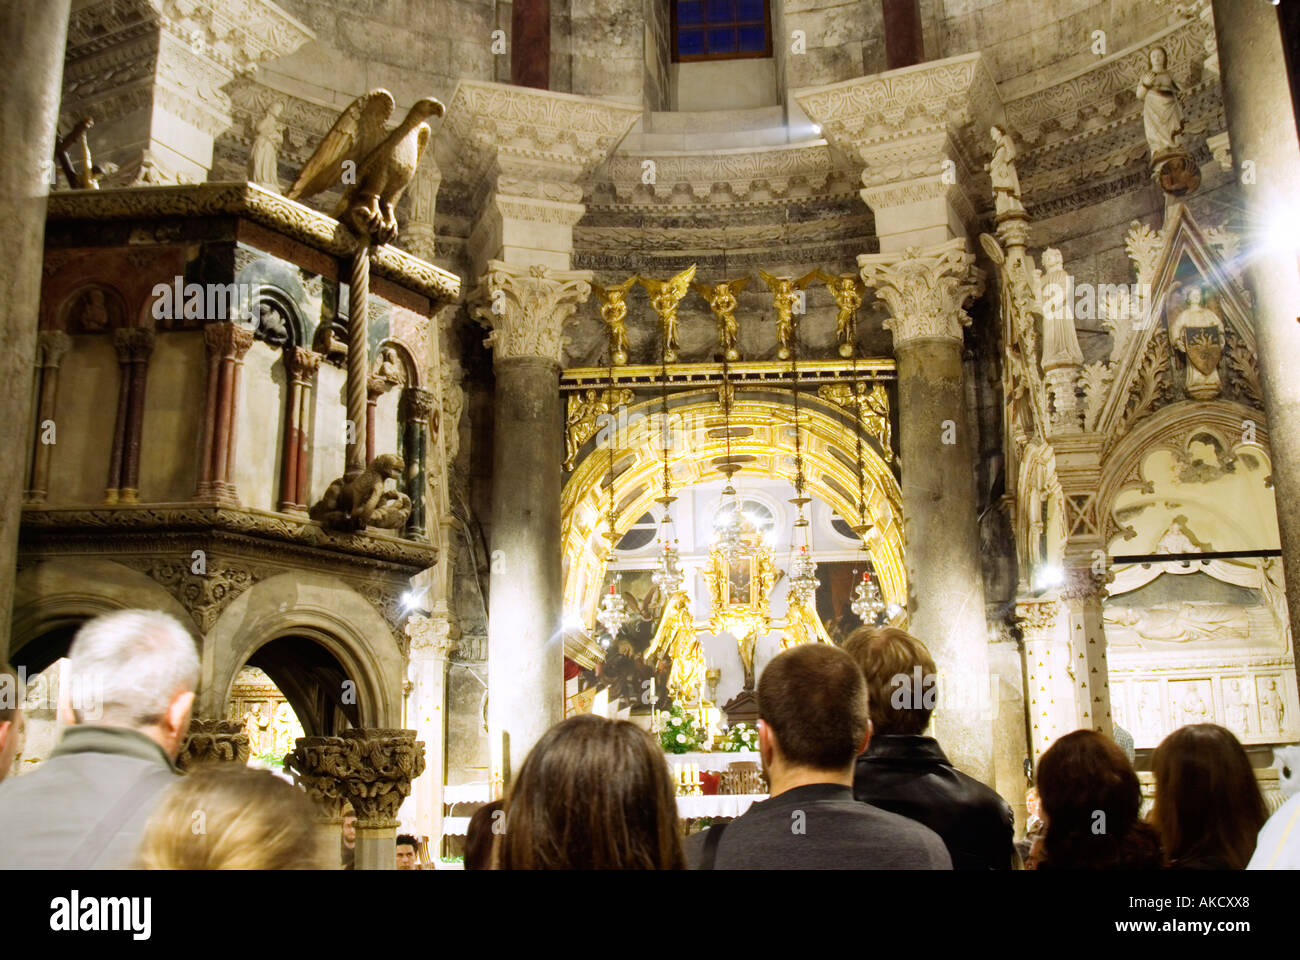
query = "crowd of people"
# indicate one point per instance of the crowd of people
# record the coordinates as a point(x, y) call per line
point(854, 784)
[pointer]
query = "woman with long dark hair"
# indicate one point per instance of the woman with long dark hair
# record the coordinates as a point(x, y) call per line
point(1090, 801)
point(593, 794)
point(1208, 807)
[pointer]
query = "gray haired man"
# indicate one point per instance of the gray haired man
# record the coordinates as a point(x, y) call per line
point(131, 680)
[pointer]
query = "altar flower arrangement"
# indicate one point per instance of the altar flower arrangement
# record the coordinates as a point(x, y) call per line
point(740, 736)
point(679, 731)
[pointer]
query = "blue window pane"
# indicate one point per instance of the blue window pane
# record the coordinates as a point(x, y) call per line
point(690, 43)
point(749, 11)
point(722, 40)
point(690, 11)
point(752, 39)
point(721, 11)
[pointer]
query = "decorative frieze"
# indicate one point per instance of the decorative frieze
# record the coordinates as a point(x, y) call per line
point(213, 741)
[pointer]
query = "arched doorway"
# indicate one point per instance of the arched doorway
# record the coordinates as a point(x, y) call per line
point(292, 685)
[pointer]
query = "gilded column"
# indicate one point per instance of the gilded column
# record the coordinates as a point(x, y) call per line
point(526, 310)
point(1260, 112)
point(417, 410)
point(33, 40)
point(926, 291)
point(51, 347)
point(433, 638)
point(379, 766)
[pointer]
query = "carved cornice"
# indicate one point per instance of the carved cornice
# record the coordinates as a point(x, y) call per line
point(925, 290)
point(524, 134)
point(188, 519)
point(281, 214)
point(526, 309)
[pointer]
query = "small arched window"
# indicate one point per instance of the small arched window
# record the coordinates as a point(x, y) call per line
point(721, 29)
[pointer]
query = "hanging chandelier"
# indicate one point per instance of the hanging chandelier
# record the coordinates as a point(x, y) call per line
point(613, 612)
point(668, 575)
point(867, 603)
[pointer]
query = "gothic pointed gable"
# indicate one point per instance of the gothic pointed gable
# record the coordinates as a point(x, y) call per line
point(1179, 349)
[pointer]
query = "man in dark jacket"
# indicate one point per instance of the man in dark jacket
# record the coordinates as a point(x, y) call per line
point(812, 708)
point(130, 679)
point(908, 773)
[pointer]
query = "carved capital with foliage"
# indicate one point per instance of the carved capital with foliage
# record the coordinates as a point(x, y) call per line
point(432, 637)
point(526, 308)
point(378, 767)
point(926, 291)
point(211, 741)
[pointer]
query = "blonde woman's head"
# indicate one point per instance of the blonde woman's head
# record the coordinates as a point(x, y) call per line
point(227, 817)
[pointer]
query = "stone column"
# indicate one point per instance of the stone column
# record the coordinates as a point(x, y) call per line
point(417, 409)
point(376, 387)
point(925, 291)
point(52, 345)
point(433, 638)
point(228, 343)
point(526, 311)
point(1257, 101)
point(214, 741)
point(1081, 602)
point(1047, 661)
point(379, 766)
point(318, 766)
point(33, 35)
point(134, 346)
point(301, 365)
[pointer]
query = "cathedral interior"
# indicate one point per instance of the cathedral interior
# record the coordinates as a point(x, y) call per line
point(450, 367)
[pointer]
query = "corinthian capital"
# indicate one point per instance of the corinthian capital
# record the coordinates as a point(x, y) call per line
point(926, 290)
point(378, 766)
point(526, 308)
point(431, 636)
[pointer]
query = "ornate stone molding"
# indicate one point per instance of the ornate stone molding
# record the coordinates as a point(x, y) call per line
point(1037, 618)
point(293, 219)
point(207, 594)
point(925, 290)
point(432, 637)
point(526, 309)
point(377, 767)
point(213, 741)
point(526, 134)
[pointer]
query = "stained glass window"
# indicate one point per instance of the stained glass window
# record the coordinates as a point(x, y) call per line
point(721, 29)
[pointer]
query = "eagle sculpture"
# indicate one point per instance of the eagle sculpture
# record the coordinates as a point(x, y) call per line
point(373, 164)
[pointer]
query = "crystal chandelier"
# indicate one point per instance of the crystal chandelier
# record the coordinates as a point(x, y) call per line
point(867, 604)
point(613, 612)
point(803, 577)
point(668, 577)
point(732, 528)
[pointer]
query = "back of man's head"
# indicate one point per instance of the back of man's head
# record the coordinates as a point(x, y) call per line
point(900, 678)
point(814, 700)
point(125, 669)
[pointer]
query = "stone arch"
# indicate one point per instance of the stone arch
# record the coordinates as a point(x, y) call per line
point(324, 610)
point(1169, 428)
point(59, 593)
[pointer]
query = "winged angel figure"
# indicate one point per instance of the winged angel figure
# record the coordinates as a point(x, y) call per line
point(373, 164)
point(665, 295)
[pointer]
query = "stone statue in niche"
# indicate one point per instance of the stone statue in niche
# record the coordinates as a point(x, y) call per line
point(1198, 332)
point(91, 312)
point(1148, 711)
point(366, 500)
point(1193, 708)
point(1060, 339)
point(1272, 714)
point(389, 366)
point(1162, 117)
point(255, 724)
point(1002, 171)
point(263, 166)
point(1236, 711)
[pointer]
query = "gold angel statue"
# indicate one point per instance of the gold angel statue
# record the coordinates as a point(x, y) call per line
point(665, 295)
point(677, 639)
point(613, 310)
point(784, 298)
point(371, 164)
point(847, 291)
point(802, 625)
point(723, 303)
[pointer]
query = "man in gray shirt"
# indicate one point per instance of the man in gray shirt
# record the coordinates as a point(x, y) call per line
point(813, 723)
point(132, 676)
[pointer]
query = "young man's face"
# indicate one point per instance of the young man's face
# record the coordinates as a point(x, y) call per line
point(349, 829)
point(406, 857)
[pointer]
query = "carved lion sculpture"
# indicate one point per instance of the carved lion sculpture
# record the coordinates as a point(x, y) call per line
point(365, 501)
